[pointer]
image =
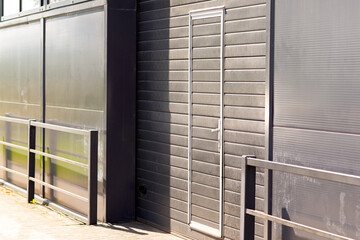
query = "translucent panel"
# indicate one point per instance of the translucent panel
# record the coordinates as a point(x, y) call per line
point(316, 114)
point(20, 70)
point(30, 4)
point(20, 94)
point(11, 7)
point(74, 97)
point(317, 57)
point(16, 159)
point(65, 175)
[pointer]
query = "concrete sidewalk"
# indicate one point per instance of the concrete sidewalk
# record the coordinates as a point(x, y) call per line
point(19, 220)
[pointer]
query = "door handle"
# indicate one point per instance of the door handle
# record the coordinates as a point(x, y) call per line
point(218, 128)
point(215, 130)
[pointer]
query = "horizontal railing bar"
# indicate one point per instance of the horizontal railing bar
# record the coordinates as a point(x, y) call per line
point(56, 206)
point(59, 189)
point(306, 171)
point(13, 171)
point(60, 128)
point(59, 158)
point(13, 145)
point(296, 225)
point(14, 120)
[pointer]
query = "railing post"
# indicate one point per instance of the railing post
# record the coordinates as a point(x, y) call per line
point(31, 162)
point(92, 177)
point(7, 149)
point(248, 181)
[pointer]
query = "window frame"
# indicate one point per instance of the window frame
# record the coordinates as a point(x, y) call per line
point(44, 6)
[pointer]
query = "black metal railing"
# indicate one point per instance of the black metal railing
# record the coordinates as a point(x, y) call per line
point(92, 135)
point(248, 178)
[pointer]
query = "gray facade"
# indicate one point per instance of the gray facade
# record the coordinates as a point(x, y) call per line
point(180, 90)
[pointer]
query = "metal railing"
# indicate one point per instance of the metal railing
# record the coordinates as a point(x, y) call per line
point(248, 182)
point(92, 167)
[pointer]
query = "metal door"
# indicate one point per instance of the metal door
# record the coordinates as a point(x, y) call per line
point(205, 189)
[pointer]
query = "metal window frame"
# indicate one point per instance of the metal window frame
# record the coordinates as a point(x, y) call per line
point(44, 6)
point(196, 15)
point(86, 5)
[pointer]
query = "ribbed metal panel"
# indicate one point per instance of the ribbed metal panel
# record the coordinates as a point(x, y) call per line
point(162, 110)
point(316, 113)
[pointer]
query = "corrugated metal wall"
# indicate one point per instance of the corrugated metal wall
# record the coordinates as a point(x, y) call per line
point(162, 107)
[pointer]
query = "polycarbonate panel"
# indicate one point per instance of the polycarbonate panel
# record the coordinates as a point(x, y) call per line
point(20, 94)
point(11, 7)
point(317, 57)
point(20, 69)
point(321, 204)
point(75, 97)
point(316, 114)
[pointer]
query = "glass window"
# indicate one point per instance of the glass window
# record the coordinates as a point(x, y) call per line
point(30, 4)
point(11, 7)
point(54, 1)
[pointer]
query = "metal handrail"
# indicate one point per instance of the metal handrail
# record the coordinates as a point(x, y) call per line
point(31, 150)
point(248, 178)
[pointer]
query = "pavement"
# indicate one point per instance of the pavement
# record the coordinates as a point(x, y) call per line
point(23, 221)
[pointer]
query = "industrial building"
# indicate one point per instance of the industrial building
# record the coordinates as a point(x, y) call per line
point(185, 96)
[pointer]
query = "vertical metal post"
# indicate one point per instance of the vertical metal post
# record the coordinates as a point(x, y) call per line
point(190, 119)
point(31, 162)
point(1, 9)
point(43, 29)
point(248, 178)
point(269, 112)
point(221, 126)
point(92, 177)
point(7, 149)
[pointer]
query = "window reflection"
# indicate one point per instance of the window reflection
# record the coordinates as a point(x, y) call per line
point(11, 7)
point(30, 4)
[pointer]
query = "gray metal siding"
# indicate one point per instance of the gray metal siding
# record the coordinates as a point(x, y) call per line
point(162, 108)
